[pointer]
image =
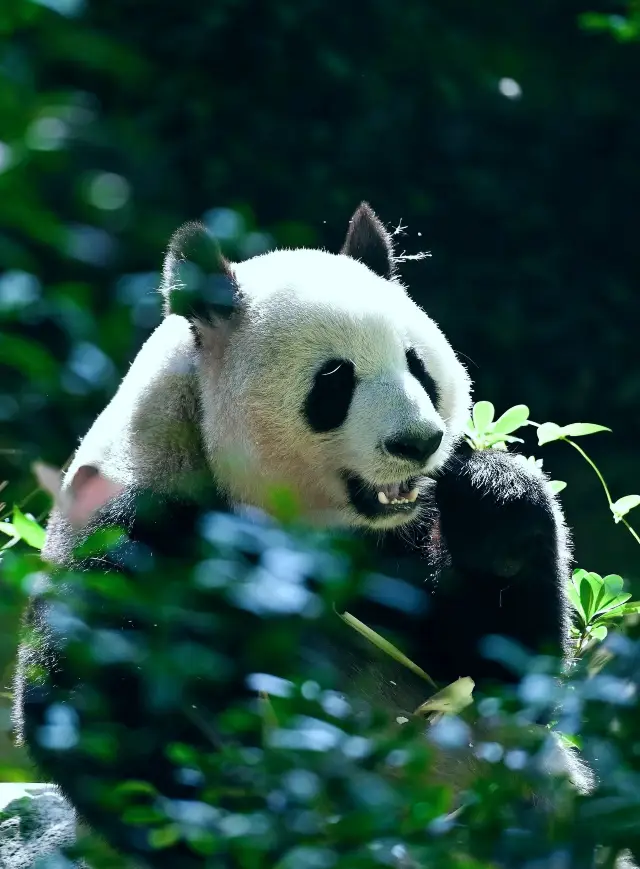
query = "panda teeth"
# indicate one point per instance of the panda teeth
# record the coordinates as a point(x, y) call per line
point(409, 498)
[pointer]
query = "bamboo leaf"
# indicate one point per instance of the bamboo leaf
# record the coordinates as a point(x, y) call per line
point(385, 646)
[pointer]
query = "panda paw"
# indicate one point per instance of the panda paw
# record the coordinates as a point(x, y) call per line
point(496, 512)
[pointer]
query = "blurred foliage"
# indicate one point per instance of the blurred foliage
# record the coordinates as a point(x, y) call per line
point(505, 136)
point(293, 772)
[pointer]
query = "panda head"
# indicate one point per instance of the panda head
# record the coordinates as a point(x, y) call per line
point(317, 372)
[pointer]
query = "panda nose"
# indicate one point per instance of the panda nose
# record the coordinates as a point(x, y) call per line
point(414, 447)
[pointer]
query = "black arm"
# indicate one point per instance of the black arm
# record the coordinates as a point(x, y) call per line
point(492, 552)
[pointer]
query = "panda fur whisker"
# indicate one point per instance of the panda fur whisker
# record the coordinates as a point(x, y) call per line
point(224, 402)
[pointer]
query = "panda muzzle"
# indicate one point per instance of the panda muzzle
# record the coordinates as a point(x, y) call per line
point(397, 493)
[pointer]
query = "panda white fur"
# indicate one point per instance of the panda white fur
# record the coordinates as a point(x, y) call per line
point(318, 372)
point(301, 315)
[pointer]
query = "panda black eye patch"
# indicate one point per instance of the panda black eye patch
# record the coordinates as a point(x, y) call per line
point(327, 403)
point(418, 370)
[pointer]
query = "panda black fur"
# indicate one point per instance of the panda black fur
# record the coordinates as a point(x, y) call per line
point(315, 371)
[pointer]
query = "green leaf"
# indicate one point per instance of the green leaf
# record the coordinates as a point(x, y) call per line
point(547, 432)
point(7, 528)
point(30, 359)
point(614, 611)
point(483, 412)
point(164, 837)
point(611, 592)
point(571, 740)
point(512, 419)
point(633, 607)
point(284, 504)
point(622, 506)
point(499, 441)
point(133, 786)
point(613, 605)
point(557, 486)
point(613, 585)
point(28, 529)
point(551, 431)
point(573, 593)
point(451, 700)
point(586, 597)
point(598, 588)
point(599, 632)
point(142, 816)
point(100, 542)
point(621, 28)
point(10, 542)
point(385, 646)
point(578, 429)
point(205, 843)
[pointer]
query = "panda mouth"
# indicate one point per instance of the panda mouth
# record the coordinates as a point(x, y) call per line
point(375, 500)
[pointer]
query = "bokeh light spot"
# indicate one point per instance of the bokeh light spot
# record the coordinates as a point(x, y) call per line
point(510, 88)
point(108, 191)
point(46, 134)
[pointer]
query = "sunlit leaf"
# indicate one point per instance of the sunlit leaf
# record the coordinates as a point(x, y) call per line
point(578, 429)
point(614, 604)
point(599, 632)
point(597, 588)
point(622, 506)
point(499, 441)
point(586, 598)
point(573, 593)
point(613, 585)
point(451, 700)
point(547, 432)
point(28, 529)
point(512, 419)
point(483, 412)
point(571, 740)
point(578, 573)
point(557, 486)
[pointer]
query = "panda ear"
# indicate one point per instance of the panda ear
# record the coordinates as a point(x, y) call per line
point(368, 241)
point(197, 281)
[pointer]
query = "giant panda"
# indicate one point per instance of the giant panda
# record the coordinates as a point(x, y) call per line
point(316, 372)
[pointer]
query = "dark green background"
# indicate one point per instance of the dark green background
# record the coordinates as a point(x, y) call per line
point(288, 113)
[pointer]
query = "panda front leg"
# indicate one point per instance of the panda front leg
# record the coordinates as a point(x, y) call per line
point(505, 562)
